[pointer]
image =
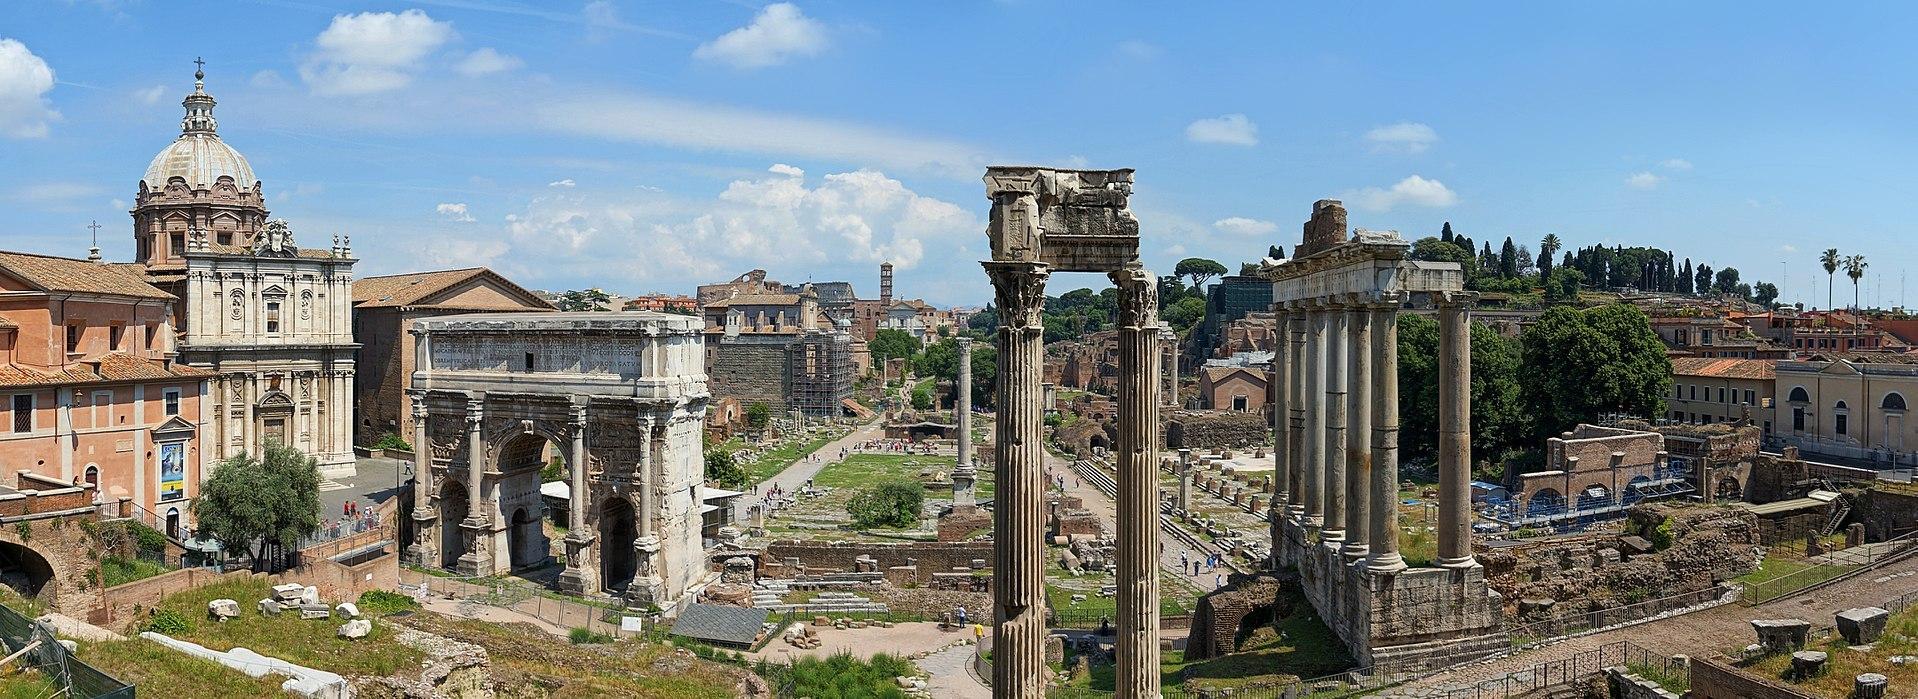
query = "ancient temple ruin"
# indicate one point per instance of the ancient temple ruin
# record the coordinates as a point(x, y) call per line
point(1336, 304)
point(1045, 220)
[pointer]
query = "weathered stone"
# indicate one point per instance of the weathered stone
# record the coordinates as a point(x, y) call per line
point(357, 628)
point(315, 611)
point(1870, 685)
point(347, 610)
point(269, 607)
point(288, 592)
point(222, 609)
point(1808, 663)
point(1862, 625)
point(1781, 635)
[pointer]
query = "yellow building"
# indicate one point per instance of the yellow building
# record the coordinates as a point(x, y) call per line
point(1707, 390)
point(1849, 405)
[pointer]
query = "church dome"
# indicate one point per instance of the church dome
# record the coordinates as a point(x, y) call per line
point(198, 155)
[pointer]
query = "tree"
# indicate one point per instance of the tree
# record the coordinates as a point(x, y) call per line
point(1435, 250)
point(1171, 290)
point(1201, 270)
point(1499, 420)
point(1547, 248)
point(1581, 364)
point(1184, 314)
point(723, 470)
point(1702, 280)
point(894, 503)
point(1508, 259)
point(1445, 233)
point(256, 505)
point(1248, 269)
point(758, 414)
point(1830, 260)
point(922, 397)
point(1765, 294)
point(1563, 285)
point(1855, 268)
point(1527, 265)
point(1684, 278)
point(583, 300)
point(892, 343)
point(941, 361)
point(1726, 280)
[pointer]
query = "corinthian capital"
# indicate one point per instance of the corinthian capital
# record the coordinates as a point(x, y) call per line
point(1019, 290)
point(1138, 297)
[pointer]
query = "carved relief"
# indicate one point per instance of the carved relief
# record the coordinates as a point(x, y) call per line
point(1138, 298)
point(306, 305)
point(1020, 291)
point(448, 436)
point(239, 304)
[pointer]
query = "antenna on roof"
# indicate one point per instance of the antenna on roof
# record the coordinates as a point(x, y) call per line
point(93, 253)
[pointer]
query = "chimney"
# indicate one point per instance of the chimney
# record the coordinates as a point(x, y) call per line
point(885, 283)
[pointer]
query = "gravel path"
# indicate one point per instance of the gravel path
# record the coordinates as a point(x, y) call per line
point(804, 469)
point(952, 678)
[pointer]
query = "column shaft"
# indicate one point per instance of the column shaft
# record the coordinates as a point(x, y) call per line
point(1313, 455)
point(1137, 647)
point(475, 461)
point(1455, 436)
point(1298, 365)
point(1384, 538)
point(1335, 407)
point(576, 458)
point(1018, 515)
point(964, 474)
point(1358, 434)
point(1281, 381)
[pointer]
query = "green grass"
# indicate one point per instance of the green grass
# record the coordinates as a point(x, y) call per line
point(1298, 646)
point(158, 671)
point(115, 570)
point(778, 458)
point(313, 643)
point(1846, 663)
point(1677, 683)
point(1772, 568)
point(860, 470)
point(1096, 607)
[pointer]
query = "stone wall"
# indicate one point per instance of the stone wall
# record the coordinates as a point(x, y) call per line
point(1889, 514)
point(1715, 680)
point(930, 556)
point(1592, 447)
point(1625, 685)
point(337, 582)
point(751, 369)
point(1214, 429)
point(1220, 613)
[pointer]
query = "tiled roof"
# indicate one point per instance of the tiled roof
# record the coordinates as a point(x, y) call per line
point(1725, 368)
point(65, 274)
point(1862, 357)
point(111, 367)
point(725, 624)
point(413, 288)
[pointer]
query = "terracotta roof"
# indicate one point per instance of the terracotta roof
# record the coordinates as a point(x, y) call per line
point(110, 367)
point(1214, 374)
point(1862, 357)
point(65, 274)
point(757, 300)
point(412, 288)
point(1725, 368)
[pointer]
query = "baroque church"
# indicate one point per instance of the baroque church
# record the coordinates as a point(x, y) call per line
point(272, 319)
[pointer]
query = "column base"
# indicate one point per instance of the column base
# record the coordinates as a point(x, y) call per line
point(646, 592)
point(1385, 563)
point(1467, 561)
point(581, 576)
point(1354, 552)
point(477, 561)
point(1331, 536)
point(422, 556)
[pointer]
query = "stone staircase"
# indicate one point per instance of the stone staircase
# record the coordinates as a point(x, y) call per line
point(770, 594)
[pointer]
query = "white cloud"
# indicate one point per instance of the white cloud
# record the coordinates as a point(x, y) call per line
point(372, 51)
point(487, 61)
point(567, 183)
point(1411, 191)
point(1643, 180)
point(54, 192)
point(1238, 225)
point(778, 33)
point(150, 95)
point(25, 80)
point(268, 78)
point(1679, 164)
point(455, 211)
point(1230, 129)
point(1788, 248)
point(1403, 137)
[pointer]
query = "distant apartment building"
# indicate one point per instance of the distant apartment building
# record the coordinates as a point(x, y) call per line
point(1711, 390)
point(1231, 299)
point(93, 390)
point(663, 303)
point(1850, 405)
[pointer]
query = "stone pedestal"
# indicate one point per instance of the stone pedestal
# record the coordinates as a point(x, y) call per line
point(425, 550)
point(646, 590)
point(1870, 685)
point(478, 559)
point(581, 576)
point(1863, 625)
point(1782, 635)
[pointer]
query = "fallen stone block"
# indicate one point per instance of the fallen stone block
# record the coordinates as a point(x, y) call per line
point(315, 611)
point(357, 628)
point(310, 595)
point(1870, 685)
point(288, 592)
point(223, 609)
point(269, 607)
point(1862, 625)
point(347, 610)
point(1782, 635)
point(1808, 663)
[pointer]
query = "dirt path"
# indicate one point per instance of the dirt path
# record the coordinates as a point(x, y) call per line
point(805, 468)
point(1716, 630)
point(1096, 500)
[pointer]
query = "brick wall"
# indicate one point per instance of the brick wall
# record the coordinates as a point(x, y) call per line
point(1888, 514)
point(337, 583)
point(751, 369)
point(1715, 680)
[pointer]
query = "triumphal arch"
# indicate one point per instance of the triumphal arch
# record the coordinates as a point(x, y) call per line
point(1336, 520)
point(1046, 220)
point(618, 398)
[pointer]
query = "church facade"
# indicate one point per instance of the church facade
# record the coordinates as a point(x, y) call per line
point(272, 320)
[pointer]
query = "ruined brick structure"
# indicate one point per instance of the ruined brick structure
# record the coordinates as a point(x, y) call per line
point(1220, 615)
point(1215, 429)
point(929, 556)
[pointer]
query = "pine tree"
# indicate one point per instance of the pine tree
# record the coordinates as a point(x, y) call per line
point(1684, 278)
point(1445, 234)
point(1507, 259)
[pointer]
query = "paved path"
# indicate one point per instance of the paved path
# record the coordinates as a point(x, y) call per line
point(952, 678)
point(1097, 501)
point(804, 469)
point(1716, 630)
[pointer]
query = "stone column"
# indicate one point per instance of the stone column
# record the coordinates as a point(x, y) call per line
point(645, 585)
point(1358, 435)
point(1335, 407)
point(1018, 515)
point(1282, 465)
point(1169, 367)
point(965, 474)
point(425, 536)
point(1384, 535)
point(581, 576)
point(1455, 434)
point(1137, 647)
point(1298, 366)
point(1313, 455)
point(477, 559)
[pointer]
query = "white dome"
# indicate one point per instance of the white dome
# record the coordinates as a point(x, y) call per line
point(200, 159)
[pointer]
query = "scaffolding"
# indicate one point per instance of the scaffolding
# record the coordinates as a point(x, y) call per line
point(1550, 509)
point(819, 369)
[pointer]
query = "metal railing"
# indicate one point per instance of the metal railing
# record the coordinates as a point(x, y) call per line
point(493, 592)
point(65, 674)
point(1578, 622)
point(1830, 566)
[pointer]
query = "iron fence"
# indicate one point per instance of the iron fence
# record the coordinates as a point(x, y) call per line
point(66, 675)
point(561, 614)
point(1577, 622)
point(1829, 566)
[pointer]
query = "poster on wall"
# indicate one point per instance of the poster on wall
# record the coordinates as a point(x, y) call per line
point(173, 470)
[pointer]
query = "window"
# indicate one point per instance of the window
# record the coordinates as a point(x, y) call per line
point(1750, 397)
point(1838, 426)
point(1798, 395)
point(153, 337)
point(1239, 403)
point(1893, 401)
point(102, 408)
point(1721, 395)
point(172, 398)
point(1797, 419)
point(1694, 391)
point(73, 339)
point(114, 333)
point(23, 412)
point(529, 361)
point(272, 316)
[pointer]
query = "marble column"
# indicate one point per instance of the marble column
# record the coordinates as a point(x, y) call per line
point(1358, 433)
point(1335, 407)
point(425, 540)
point(581, 576)
point(1384, 535)
point(646, 573)
point(1137, 647)
point(1282, 465)
point(964, 475)
point(1018, 515)
point(1169, 367)
point(1313, 454)
point(1455, 435)
point(477, 559)
point(1298, 366)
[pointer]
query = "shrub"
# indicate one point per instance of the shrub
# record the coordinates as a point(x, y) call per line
point(169, 622)
point(382, 603)
point(392, 441)
point(845, 676)
point(889, 504)
point(581, 636)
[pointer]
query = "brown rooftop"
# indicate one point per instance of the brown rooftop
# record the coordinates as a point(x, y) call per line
point(1725, 368)
point(69, 275)
point(411, 288)
point(110, 367)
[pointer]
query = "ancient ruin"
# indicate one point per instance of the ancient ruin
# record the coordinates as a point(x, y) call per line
point(1045, 220)
point(619, 397)
point(1336, 303)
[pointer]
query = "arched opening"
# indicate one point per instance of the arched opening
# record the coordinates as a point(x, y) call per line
point(173, 523)
point(1633, 491)
point(527, 544)
point(453, 510)
point(617, 530)
point(93, 475)
point(1594, 497)
point(1545, 501)
point(1727, 489)
point(1798, 395)
point(23, 569)
point(519, 462)
point(1840, 418)
point(1893, 401)
point(1098, 441)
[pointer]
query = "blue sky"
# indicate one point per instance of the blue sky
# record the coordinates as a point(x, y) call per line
point(650, 146)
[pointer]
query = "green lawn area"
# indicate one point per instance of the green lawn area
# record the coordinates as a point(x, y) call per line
point(1772, 568)
point(778, 458)
point(1300, 646)
point(313, 643)
point(860, 470)
point(1900, 638)
point(1096, 607)
point(115, 570)
point(1777, 577)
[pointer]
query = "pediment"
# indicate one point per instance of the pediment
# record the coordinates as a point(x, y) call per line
point(276, 399)
point(175, 425)
point(1840, 368)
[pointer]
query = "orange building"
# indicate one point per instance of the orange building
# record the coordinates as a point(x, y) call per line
point(91, 388)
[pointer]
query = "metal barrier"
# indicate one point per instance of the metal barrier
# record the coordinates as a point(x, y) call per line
point(64, 672)
point(1831, 566)
point(1577, 622)
point(495, 592)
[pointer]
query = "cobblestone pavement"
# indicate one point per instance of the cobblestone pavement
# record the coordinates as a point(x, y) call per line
point(952, 676)
point(1715, 630)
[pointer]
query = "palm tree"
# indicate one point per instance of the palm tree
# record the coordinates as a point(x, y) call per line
point(1830, 259)
point(1855, 268)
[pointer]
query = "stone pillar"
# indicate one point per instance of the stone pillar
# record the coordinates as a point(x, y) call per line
point(425, 546)
point(1384, 534)
point(965, 474)
point(1335, 407)
point(1358, 435)
point(1313, 453)
point(478, 559)
point(1137, 647)
point(1185, 480)
point(1019, 511)
point(581, 576)
point(645, 587)
point(1455, 434)
point(1169, 367)
point(1298, 366)
point(1281, 381)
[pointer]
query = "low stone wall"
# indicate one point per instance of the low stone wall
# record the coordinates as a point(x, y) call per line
point(130, 600)
point(1625, 685)
point(1715, 680)
point(929, 556)
point(337, 582)
point(1214, 429)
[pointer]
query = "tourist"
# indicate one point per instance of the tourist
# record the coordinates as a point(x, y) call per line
point(961, 613)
